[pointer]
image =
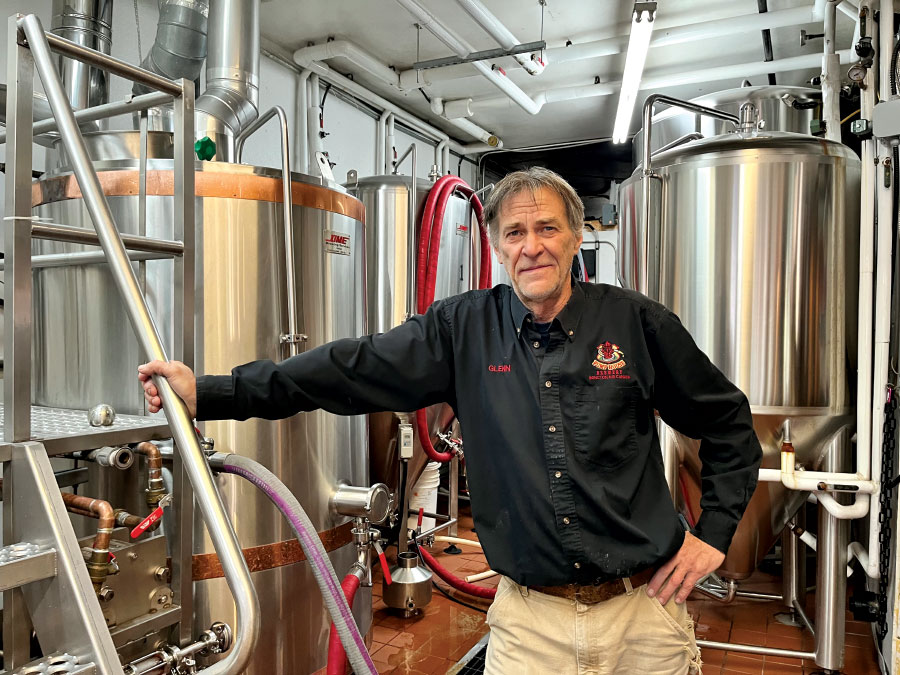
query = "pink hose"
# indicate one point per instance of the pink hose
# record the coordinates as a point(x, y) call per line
point(456, 582)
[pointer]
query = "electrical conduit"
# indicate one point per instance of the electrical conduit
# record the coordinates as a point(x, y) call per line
point(290, 508)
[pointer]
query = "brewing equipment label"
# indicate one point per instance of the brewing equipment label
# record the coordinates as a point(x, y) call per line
point(337, 242)
point(462, 229)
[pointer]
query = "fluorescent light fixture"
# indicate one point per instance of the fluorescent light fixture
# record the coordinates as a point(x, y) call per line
point(641, 28)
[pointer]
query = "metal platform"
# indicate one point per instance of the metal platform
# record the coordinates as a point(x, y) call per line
point(62, 431)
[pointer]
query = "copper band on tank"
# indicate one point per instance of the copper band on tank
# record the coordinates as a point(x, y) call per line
point(269, 556)
point(206, 184)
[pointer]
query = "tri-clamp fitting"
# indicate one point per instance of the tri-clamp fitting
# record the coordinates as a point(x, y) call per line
point(366, 539)
point(173, 660)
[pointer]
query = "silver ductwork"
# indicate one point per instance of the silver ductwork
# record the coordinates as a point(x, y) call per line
point(180, 45)
point(87, 23)
point(230, 102)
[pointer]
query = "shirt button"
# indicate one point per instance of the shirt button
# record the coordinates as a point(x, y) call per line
point(571, 332)
point(536, 344)
point(577, 566)
point(558, 474)
point(566, 521)
point(552, 428)
point(548, 384)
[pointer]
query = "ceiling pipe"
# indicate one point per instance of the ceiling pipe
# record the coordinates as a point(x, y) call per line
point(673, 35)
point(532, 63)
point(663, 80)
point(461, 48)
point(307, 57)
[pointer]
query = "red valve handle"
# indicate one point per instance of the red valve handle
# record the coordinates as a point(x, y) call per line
point(147, 522)
point(384, 565)
point(421, 514)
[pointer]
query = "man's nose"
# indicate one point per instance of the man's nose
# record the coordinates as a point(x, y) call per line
point(533, 246)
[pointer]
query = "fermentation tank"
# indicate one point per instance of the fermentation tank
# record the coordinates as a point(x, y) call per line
point(387, 202)
point(241, 314)
point(753, 243)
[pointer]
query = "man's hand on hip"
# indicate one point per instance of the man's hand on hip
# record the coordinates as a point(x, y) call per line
point(180, 378)
point(694, 560)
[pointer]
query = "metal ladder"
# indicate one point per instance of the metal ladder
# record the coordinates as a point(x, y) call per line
point(42, 572)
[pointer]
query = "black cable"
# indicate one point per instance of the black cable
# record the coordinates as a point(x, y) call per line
point(322, 104)
point(459, 166)
point(425, 95)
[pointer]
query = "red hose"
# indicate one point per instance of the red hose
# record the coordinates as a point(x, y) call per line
point(337, 658)
point(426, 270)
point(456, 582)
point(687, 501)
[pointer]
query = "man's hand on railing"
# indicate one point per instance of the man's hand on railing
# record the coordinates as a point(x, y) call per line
point(180, 378)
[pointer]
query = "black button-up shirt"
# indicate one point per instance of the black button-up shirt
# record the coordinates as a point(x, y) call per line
point(563, 461)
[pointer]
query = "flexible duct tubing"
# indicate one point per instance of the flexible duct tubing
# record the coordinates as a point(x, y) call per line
point(335, 601)
point(456, 582)
point(180, 46)
point(336, 655)
point(427, 264)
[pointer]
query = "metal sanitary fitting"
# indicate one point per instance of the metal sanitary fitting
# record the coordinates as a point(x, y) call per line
point(102, 415)
point(180, 660)
point(372, 503)
point(115, 457)
point(106, 594)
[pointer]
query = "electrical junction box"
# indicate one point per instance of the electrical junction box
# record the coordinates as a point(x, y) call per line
point(406, 441)
point(609, 217)
point(886, 120)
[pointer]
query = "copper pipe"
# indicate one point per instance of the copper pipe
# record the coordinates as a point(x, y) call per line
point(156, 489)
point(98, 564)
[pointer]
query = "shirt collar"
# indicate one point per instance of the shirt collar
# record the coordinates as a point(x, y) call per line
point(568, 318)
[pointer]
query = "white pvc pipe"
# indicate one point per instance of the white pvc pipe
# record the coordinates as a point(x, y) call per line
point(445, 163)
point(504, 37)
point(313, 140)
point(379, 142)
point(478, 133)
point(458, 540)
point(308, 56)
point(302, 153)
point(808, 481)
point(882, 309)
point(658, 80)
point(390, 144)
point(461, 48)
point(481, 576)
point(831, 78)
point(439, 157)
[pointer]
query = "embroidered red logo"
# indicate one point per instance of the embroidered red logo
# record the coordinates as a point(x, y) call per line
point(503, 368)
point(609, 361)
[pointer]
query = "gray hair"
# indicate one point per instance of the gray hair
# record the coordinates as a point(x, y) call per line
point(532, 179)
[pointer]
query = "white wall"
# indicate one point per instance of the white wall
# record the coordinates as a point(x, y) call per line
point(351, 143)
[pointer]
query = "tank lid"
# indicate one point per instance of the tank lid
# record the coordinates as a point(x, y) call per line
point(798, 98)
point(741, 142)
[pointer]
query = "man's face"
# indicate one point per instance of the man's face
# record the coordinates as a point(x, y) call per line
point(536, 245)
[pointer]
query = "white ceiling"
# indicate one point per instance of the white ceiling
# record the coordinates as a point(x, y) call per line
point(386, 30)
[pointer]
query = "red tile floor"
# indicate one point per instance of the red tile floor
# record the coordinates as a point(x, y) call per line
point(434, 642)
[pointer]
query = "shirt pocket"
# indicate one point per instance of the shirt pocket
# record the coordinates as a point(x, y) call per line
point(604, 424)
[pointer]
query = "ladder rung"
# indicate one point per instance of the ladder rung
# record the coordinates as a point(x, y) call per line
point(25, 563)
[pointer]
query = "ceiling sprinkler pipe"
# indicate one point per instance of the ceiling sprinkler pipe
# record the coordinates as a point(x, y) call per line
point(504, 37)
point(458, 109)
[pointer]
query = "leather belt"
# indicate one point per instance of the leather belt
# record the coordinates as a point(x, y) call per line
point(595, 593)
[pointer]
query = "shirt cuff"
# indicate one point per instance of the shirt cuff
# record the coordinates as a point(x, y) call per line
point(215, 397)
point(716, 529)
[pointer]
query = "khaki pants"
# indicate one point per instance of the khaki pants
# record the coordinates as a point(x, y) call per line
point(534, 633)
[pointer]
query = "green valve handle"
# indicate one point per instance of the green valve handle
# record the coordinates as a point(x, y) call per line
point(205, 148)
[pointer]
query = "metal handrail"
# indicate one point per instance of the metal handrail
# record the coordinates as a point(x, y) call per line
point(219, 526)
point(681, 140)
point(82, 235)
point(411, 309)
point(292, 338)
point(646, 158)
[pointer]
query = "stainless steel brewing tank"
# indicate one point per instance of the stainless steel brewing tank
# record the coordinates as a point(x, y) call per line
point(240, 313)
point(789, 109)
point(754, 241)
point(386, 200)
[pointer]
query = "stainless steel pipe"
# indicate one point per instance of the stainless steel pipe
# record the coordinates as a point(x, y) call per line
point(84, 258)
point(81, 235)
point(411, 309)
point(753, 649)
point(292, 337)
point(220, 530)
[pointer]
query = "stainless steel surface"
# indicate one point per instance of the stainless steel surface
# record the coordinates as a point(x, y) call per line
point(87, 23)
point(411, 229)
point(82, 235)
point(804, 620)
point(181, 424)
point(117, 457)
point(84, 258)
point(64, 608)
point(410, 590)
point(753, 649)
point(758, 257)
point(25, 563)
point(102, 415)
point(793, 567)
point(230, 102)
point(17, 286)
point(240, 257)
point(782, 108)
point(831, 569)
point(101, 112)
point(65, 430)
point(649, 244)
point(371, 503)
point(292, 337)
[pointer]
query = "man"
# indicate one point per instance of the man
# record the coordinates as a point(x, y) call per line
point(555, 384)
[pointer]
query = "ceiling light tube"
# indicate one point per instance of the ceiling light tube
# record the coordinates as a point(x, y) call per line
point(642, 20)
